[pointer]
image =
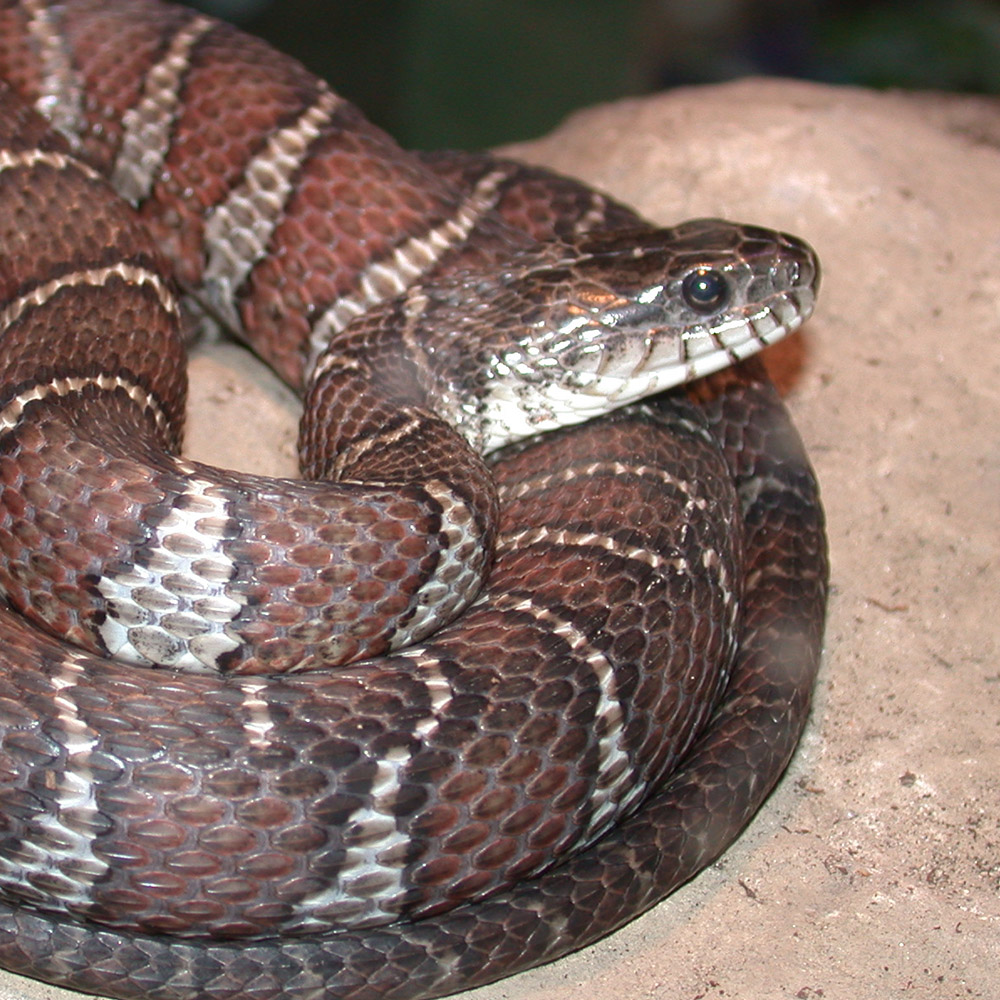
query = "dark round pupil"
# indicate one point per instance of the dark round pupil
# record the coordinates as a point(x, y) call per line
point(705, 290)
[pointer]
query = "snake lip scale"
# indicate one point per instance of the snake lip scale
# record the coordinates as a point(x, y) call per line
point(524, 650)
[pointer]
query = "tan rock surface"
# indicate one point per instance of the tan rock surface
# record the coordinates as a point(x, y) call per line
point(873, 873)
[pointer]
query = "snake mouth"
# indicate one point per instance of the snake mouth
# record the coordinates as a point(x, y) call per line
point(639, 312)
point(709, 347)
point(623, 369)
point(649, 343)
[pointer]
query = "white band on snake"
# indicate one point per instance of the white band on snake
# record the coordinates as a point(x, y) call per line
point(522, 652)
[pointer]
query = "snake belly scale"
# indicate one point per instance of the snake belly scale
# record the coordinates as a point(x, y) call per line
point(523, 652)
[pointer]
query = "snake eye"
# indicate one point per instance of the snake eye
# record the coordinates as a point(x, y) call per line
point(705, 290)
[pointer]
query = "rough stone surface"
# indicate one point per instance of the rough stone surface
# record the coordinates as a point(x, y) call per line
point(873, 873)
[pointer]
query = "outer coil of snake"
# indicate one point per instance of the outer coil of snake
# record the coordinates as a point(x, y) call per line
point(445, 796)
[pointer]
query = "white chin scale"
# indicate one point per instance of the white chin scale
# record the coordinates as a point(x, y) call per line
point(518, 409)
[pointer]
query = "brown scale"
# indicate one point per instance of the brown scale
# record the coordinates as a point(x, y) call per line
point(673, 835)
point(532, 198)
point(124, 331)
point(504, 781)
point(209, 826)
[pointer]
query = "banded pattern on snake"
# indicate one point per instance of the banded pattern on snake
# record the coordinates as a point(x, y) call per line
point(444, 796)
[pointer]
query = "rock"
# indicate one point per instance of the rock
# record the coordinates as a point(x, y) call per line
point(874, 870)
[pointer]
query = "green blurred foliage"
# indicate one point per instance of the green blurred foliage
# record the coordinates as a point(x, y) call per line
point(475, 73)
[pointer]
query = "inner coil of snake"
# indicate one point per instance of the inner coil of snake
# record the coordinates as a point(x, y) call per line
point(441, 683)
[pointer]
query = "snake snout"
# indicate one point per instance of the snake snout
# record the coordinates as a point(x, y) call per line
point(796, 270)
point(704, 295)
point(625, 314)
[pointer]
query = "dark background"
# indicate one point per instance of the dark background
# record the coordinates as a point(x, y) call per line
point(474, 73)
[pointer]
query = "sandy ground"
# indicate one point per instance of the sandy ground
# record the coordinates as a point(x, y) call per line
point(874, 870)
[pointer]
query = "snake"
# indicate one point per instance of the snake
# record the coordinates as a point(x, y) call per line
point(524, 650)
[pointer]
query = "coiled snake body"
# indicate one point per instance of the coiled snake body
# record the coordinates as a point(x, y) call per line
point(322, 762)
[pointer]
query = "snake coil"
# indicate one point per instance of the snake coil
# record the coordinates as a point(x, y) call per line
point(524, 652)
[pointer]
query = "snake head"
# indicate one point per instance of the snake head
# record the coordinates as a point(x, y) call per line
point(621, 315)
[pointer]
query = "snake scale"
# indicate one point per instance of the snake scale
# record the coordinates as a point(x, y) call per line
point(524, 651)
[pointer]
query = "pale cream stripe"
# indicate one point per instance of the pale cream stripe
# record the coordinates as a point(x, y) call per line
point(369, 882)
point(28, 158)
point(239, 229)
point(576, 539)
point(350, 456)
point(440, 691)
point(92, 277)
point(384, 279)
point(60, 96)
point(62, 848)
point(146, 138)
point(259, 722)
point(617, 469)
point(11, 414)
point(613, 768)
point(74, 806)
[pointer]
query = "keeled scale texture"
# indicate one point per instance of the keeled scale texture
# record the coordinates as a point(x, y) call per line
point(246, 767)
point(584, 676)
point(77, 261)
point(685, 823)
